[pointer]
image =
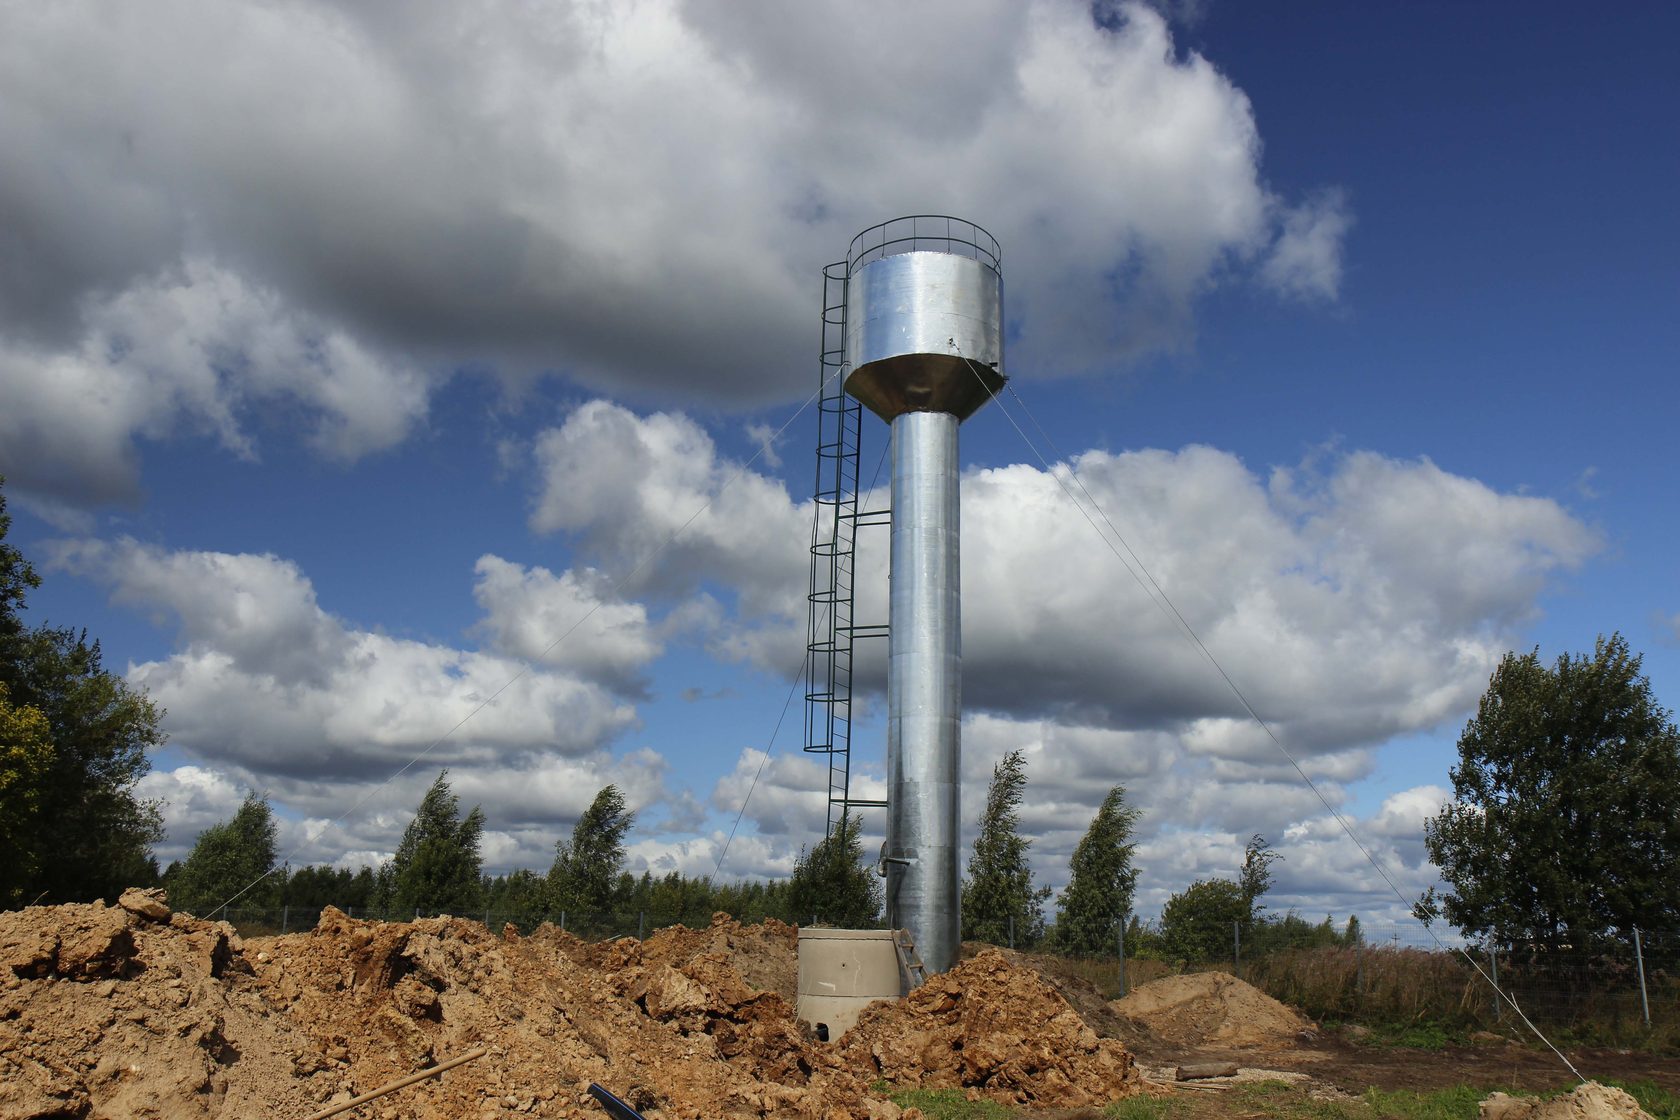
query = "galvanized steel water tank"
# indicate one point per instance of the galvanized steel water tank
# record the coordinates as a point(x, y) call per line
point(924, 349)
point(924, 317)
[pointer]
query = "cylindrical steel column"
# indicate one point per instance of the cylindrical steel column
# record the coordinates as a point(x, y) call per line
point(924, 689)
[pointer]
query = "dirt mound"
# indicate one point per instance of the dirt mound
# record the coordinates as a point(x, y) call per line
point(125, 1011)
point(1213, 1009)
point(109, 1011)
point(1591, 1101)
point(996, 1027)
point(1084, 996)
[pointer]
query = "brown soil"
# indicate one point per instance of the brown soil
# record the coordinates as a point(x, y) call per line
point(128, 1011)
point(1591, 1101)
point(990, 1024)
point(1214, 1009)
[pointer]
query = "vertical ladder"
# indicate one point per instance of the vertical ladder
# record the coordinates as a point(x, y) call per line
point(831, 629)
point(912, 973)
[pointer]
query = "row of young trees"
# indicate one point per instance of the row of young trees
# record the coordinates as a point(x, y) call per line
point(438, 869)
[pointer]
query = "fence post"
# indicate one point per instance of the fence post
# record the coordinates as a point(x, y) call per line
point(562, 921)
point(1236, 949)
point(641, 925)
point(1012, 931)
point(1639, 960)
point(1498, 1000)
point(285, 913)
point(1359, 975)
point(1122, 944)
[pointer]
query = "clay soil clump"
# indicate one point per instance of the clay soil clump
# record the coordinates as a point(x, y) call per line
point(1590, 1101)
point(995, 1027)
point(131, 1011)
point(1213, 1010)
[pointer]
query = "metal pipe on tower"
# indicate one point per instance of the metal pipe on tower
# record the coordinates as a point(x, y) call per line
point(924, 350)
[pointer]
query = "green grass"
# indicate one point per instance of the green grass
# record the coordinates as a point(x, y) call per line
point(1281, 1100)
point(949, 1104)
point(1457, 1103)
point(1414, 1036)
point(1143, 1108)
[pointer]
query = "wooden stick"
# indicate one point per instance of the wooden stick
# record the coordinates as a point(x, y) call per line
point(400, 1083)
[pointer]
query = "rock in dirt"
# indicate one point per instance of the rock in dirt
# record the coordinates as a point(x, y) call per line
point(1213, 1009)
point(995, 1027)
point(150, 904)
point(1591, 1101)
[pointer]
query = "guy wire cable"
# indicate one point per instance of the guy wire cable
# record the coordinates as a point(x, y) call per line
point(1160, 597)
point(524, 670)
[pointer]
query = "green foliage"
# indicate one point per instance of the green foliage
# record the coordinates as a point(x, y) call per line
point(93, 835)
point(1099, 892)
point(17, 579)
point(1563, 830)
point(311, 887)
point(830, 882)
point(586, 870)
point(26, 755)
point(1255, 878)
point(437, 866)
point(89, 836)
point(225, 859)
point(1144, 942)
point(1199, 923)
point(998, 891)
point(1203, 922)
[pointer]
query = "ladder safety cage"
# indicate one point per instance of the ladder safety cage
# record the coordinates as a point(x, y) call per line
point(831, 630)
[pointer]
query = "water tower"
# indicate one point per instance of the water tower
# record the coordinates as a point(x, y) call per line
point(923, 351)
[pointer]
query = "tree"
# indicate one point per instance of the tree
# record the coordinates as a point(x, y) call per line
point(17, 579)
point(1255, 878)
point(437, 865)
point(830, 882)
point(90, 835)
point(1204, 921)
point(998, 893)
point(1200, 923)
point(1101, 881)
point(1563, 826)
point(228, 857)
point(26, 754)
point(586, 869)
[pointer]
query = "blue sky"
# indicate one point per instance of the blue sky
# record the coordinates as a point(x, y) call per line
point(349, 354)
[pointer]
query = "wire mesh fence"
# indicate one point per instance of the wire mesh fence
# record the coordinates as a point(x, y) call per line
point(1625, 989)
